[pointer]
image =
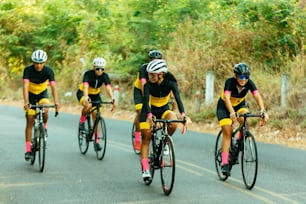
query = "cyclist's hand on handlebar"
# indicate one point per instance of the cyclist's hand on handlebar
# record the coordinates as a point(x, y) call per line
point(265, 118)
point(26, 107)
point(57, 107)
point(233, 116)
point(113, 105)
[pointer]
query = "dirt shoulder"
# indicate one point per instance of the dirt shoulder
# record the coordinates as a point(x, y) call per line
point(290, 137)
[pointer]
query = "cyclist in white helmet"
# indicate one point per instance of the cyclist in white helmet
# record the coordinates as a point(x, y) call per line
point(155, 102)
point(36, 78)
point(90, 88)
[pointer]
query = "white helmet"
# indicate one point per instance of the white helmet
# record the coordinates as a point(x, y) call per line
point(39, 56)
point(99, 62)
point(157, 66)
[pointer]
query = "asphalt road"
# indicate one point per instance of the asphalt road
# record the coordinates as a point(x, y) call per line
point(71, 177)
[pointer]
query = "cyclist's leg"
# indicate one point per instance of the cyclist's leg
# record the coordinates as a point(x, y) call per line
point(146, 137)
point(138, 106)
point(226, 127)
point(45, 101)
point(170, 115)
point(85, 108)
point(242, 108)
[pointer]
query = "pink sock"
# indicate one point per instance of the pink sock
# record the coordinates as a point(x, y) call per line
point(239, 135)
point(224, 158)
point(45, 125)
point(145, 164)
point(98, 137)
point(137, 136)
point(82, 118)
point(28, 146)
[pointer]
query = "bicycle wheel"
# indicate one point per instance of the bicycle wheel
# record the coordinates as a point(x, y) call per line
point(34, 145)
point(100, 140)
point(133, 138)
point(218, 157)
point(151, 162)
point(167, 168)
point(82, 138)
point(41, 149)
point(249, 161)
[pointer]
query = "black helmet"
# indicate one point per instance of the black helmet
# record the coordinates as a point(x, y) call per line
point(242, 69)
point(155, 54)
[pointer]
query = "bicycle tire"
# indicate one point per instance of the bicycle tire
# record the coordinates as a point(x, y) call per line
point(249, 161)
point(82, 138)
point(133, 138)
point(151, 161)
point(34, 145)
point(167, 168)
point(218, 157)
point(101, 139)
point(41, 149)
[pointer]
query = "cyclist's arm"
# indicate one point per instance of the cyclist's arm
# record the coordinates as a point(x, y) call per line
point(260, 103)
point(176, 94)
point(109, 91)
point(228, 104)
point(26, 83)
point(54, 92)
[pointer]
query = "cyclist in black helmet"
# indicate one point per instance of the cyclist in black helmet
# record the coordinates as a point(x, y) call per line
point(142, 78)
point(232, 101)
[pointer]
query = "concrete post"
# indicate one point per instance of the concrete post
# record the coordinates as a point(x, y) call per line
point(209, 89)
point(116, 93)
point(284, 90)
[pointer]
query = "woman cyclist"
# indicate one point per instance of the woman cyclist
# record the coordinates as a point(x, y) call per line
point(155, 102)
point(90, 88)
point(142, 78)
point(232, 101)
point(36, 78)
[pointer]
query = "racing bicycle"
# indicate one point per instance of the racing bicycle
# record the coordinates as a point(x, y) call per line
point(161, 154)
point(94, 131)
point(39, 139)
point(246, 146)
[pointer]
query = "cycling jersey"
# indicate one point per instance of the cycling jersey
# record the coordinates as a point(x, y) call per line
point(94, 82)
point(156, 96)
point(38, 79)
point(237, 96)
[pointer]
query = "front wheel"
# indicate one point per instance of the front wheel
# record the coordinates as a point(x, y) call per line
point(41, 149)
point(249, 161)
point(167, 168)
point(100, 139)
point(218, 157)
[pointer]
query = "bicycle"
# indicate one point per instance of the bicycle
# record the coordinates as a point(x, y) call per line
point(39, 140)
point(247, 146)
point(96, 133)
point(161, 154)
point(172, 107)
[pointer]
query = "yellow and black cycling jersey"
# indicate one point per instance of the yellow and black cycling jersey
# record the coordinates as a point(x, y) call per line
point(94, 82)
point(38, 79)
point(237, 95)
point(142, 74)
point(157, 95)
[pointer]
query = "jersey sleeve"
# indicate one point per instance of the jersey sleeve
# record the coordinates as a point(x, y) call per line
point(176, 93)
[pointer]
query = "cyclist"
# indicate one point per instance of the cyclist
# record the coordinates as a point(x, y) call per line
point(232, 101)
point(90, 88)
point(36, 78)
point(155, 102)
point(142, 78)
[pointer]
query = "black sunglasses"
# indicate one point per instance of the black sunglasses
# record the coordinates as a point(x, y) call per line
point(100, 68)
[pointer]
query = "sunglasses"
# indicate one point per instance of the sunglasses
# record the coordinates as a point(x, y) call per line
point(243, 77)
point(99, 69)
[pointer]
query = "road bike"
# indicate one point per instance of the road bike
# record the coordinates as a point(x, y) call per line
point(161, 154)
point(94, 132)
point(248, 157)
point(172, 107)
point(39, 139)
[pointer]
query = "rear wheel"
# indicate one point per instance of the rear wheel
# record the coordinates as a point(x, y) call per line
point(100, 139)
point(218, 157)
point(41, 149)
point(249, 161)
point(167, 168)
point(82, 138)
